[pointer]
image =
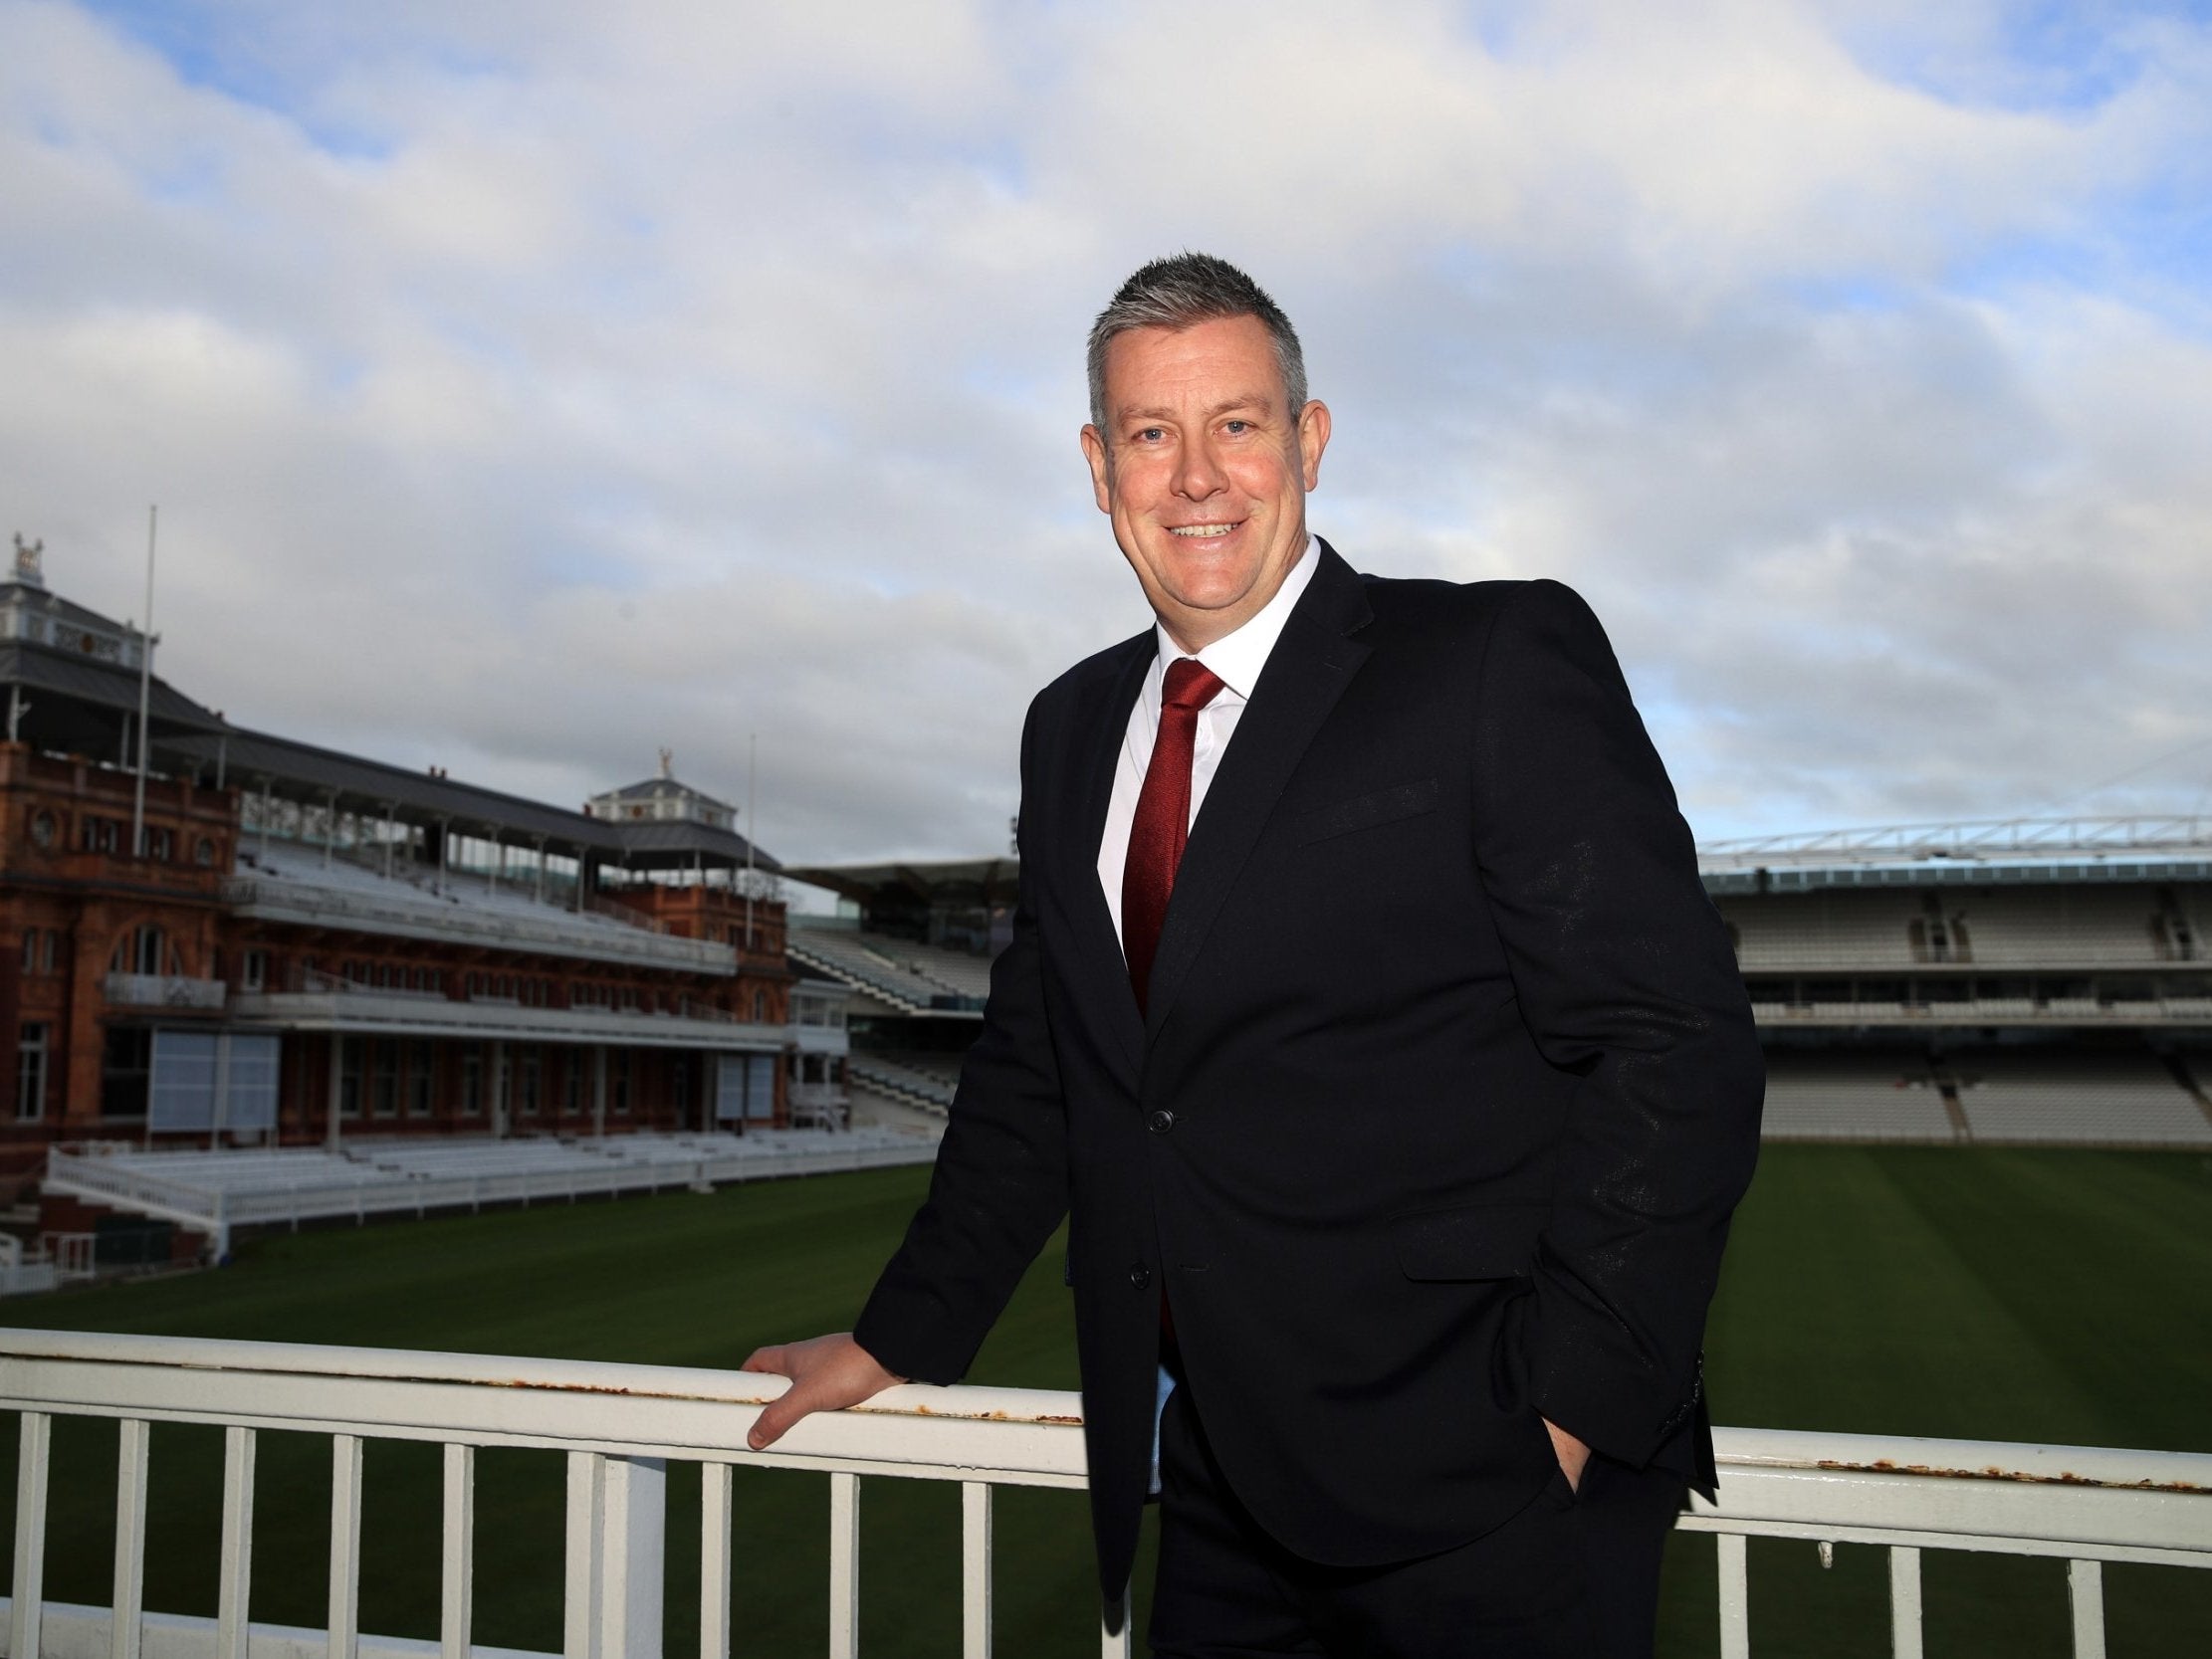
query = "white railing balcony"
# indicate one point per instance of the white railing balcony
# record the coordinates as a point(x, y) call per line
point(620, 1426)
point(164, 990)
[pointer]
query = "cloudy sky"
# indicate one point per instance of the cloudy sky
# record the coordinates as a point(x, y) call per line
point(527, 385)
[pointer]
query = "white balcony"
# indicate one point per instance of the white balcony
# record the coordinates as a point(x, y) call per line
point(620, 1425)
point(164, 990)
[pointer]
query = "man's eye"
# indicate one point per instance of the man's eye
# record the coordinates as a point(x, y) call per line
point(1238, 428)
point(1150, 434)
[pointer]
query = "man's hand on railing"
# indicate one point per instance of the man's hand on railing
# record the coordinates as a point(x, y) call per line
point(827, 1374)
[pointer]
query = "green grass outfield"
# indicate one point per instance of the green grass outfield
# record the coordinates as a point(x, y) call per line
point(2000, 1295)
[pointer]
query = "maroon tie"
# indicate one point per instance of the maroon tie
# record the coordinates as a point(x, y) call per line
point(1163, 821)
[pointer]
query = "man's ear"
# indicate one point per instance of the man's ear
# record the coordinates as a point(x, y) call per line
point(1094, 451)
point(1313, 437)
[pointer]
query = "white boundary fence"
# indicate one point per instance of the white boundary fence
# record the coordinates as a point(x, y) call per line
point(619, 1425)
point(125, 1183)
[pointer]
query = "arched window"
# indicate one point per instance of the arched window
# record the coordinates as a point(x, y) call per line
point(30, 951)
point(139, 951)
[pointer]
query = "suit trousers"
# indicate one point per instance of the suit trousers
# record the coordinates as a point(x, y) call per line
point(1574, 1574)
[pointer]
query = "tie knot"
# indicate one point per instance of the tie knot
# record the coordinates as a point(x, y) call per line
point(1190, 684)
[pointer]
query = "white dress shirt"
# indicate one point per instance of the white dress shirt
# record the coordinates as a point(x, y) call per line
point(1236, 660)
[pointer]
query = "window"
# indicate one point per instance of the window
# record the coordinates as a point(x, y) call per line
point(30, 1071)
point(760, 1006)
point(125, 1066)
point(573, 1065)
point(618, 1081)
point(30, 951)
point(204, 854)
point(472, 1081)
point(384, 1079)
point(253, 971)
point(48, 943)
point(160, 843)
point(138, 953)
point(422, 1070)
point(349, 1076)
point(99, 835)
point(527, 1080)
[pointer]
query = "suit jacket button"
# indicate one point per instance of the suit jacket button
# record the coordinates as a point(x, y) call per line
point(1140, 1275)
point(1160, 1121)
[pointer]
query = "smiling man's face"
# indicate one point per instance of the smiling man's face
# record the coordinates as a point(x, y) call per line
point(1204, 468)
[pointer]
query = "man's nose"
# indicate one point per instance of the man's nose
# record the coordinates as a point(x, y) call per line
point(1198, 473)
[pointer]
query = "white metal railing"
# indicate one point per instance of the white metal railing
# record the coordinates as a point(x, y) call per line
point(127, 1182)
point(619, 1425)
point(163, 990)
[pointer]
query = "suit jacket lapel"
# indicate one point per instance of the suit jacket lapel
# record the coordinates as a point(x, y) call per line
point(1306, 673)
point(1100, 973)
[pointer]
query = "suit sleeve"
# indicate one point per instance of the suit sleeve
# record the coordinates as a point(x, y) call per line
point(1626, 978)
point(1000, 1186)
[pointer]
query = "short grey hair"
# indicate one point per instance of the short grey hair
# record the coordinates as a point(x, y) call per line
point(1185, 289)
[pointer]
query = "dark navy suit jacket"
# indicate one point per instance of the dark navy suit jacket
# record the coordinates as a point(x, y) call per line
point(1446, 1093)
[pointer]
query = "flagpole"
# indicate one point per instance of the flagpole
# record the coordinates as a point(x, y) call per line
point(751, 748)
point(145, 698)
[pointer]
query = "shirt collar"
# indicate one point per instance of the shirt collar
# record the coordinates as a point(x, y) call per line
point(1235, 658)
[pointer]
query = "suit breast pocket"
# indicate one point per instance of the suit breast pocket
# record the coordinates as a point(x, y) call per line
point(1368, 811)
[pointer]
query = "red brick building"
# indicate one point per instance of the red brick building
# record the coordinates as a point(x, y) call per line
point(258, 941)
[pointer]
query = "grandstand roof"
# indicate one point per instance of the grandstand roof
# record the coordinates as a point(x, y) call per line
point(988, 880)
point(671, 843)
point(85, 680)
point(1987, 852)
point(662, 788)
point(290, 767)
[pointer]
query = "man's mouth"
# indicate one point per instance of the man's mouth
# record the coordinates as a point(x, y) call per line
point(1200, 531)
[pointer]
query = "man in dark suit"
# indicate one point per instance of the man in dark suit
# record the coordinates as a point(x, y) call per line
point(1367, 1018)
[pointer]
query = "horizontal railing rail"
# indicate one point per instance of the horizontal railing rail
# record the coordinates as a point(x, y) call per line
point(620, 1425)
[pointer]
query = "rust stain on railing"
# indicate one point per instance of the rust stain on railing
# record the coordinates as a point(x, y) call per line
point(1996, 1472)
point(996, 1415)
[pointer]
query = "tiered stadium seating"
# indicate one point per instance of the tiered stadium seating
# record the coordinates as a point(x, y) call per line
point(968, 975)
point(1841, 931)
point(2050, 927)
point(2117, 1099)
point(1852, 1095)
point(284, 866)
point(909, 975)
point(393, 1176)
point(929, 1088)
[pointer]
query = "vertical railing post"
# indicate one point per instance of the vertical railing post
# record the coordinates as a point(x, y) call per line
point(975, 1573)
point(1113, 1633)
point(457, 1582)
point(1735, 1596)
point(234, 1591)
point(2084, 1592)
point(1905, 1602)
point(844, 1567)
point(633, 1547)
point(25, 1612)
point(127, 1633)
point(618, 1540)
point(714, 1561)
point(581, 1588)
point(346, 1545)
